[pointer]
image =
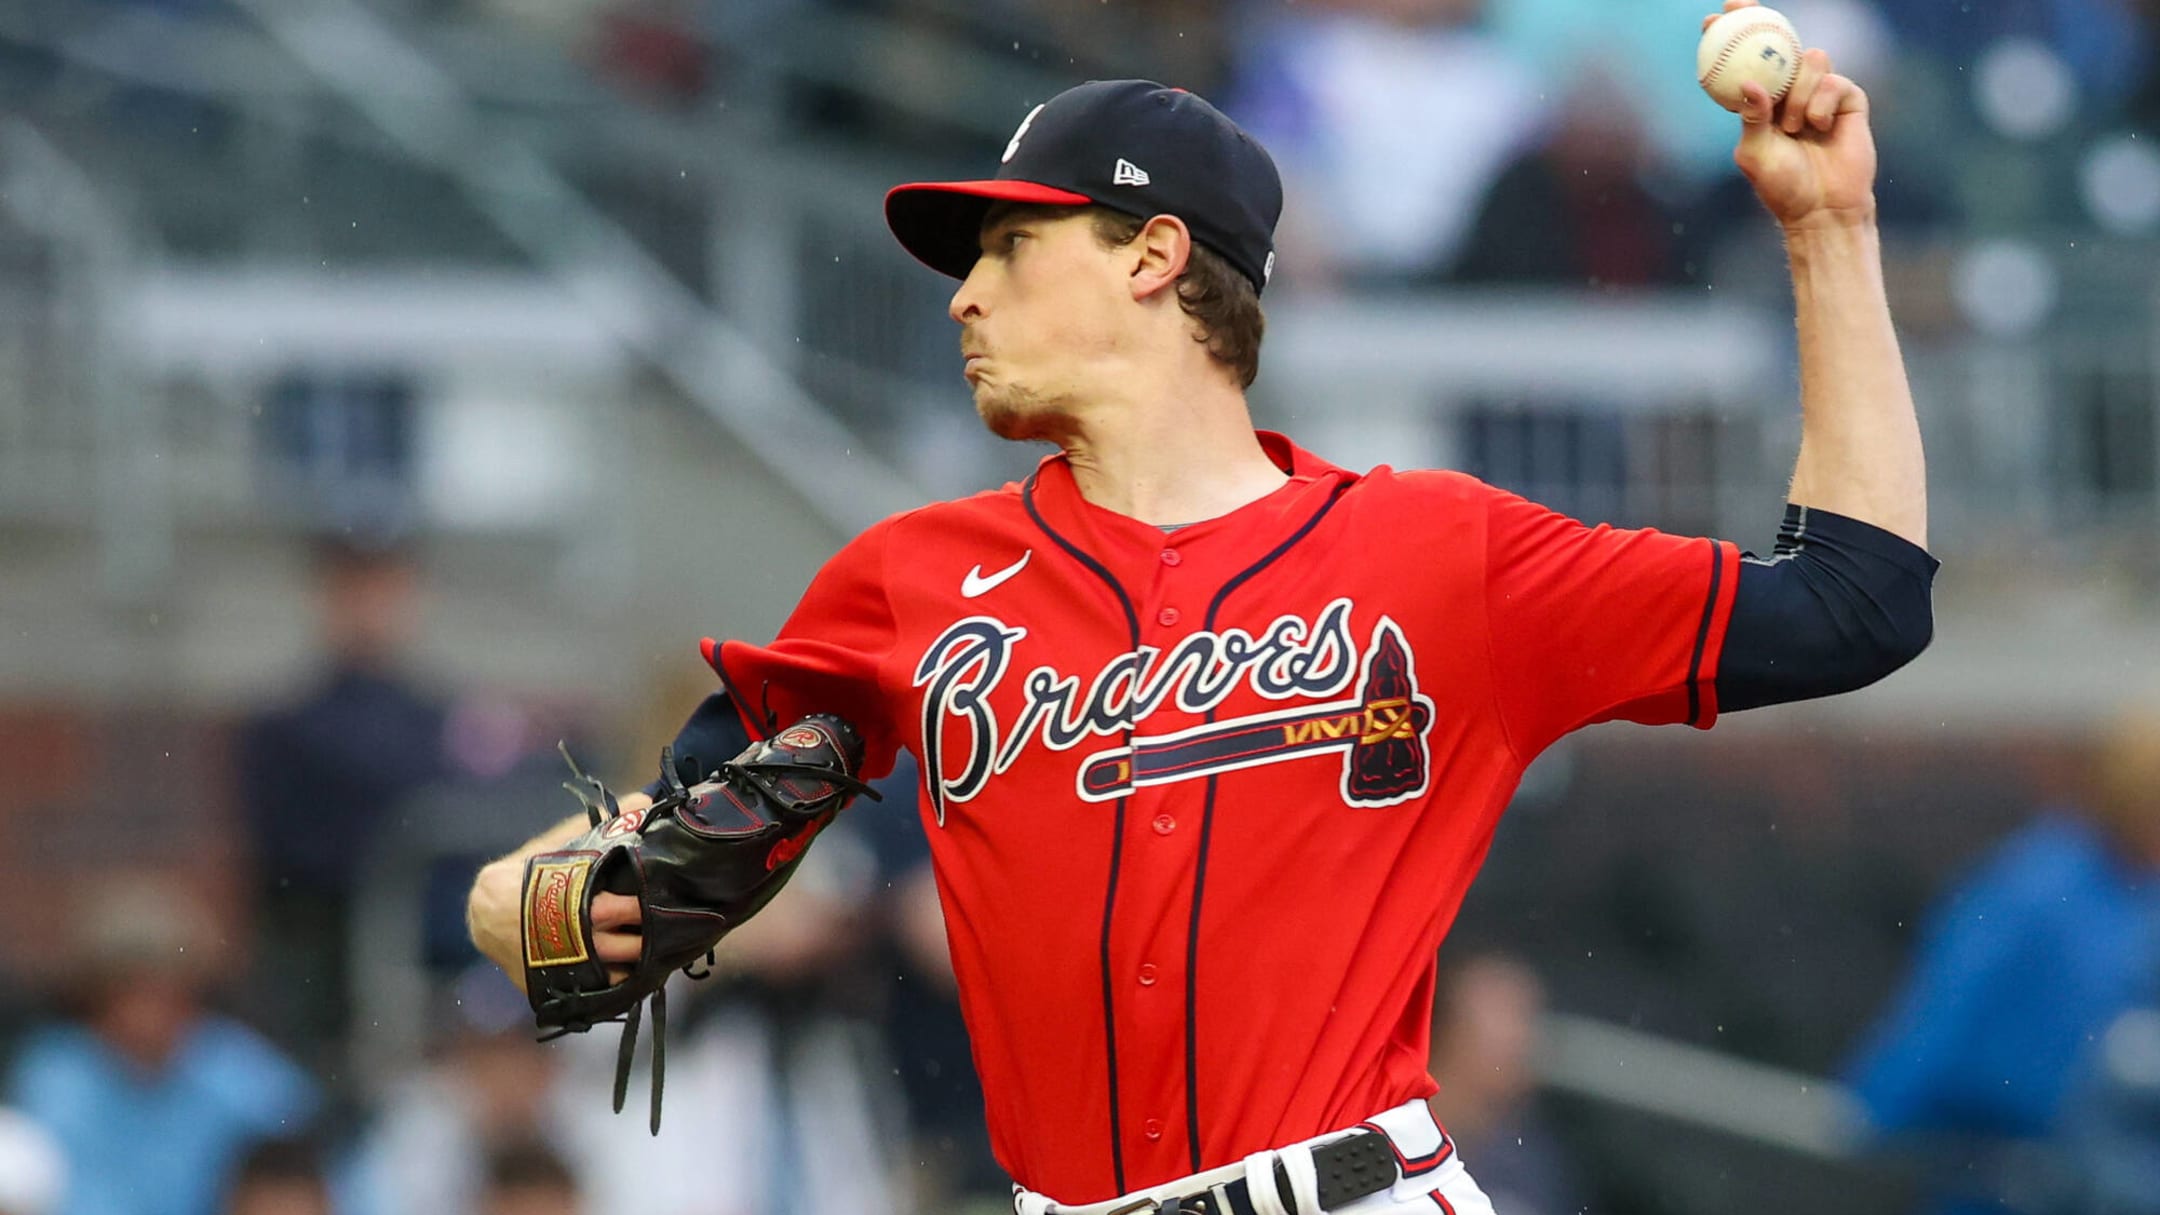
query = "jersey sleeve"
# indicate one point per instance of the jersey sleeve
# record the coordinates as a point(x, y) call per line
point(827, 657)
point(1594, 624)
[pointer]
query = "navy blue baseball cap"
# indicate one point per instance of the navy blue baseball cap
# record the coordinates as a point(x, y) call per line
point(1130, 145)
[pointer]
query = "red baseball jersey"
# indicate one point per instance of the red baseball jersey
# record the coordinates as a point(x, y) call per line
point(1203, 802)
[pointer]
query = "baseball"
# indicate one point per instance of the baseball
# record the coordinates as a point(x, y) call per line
point(1753, 43)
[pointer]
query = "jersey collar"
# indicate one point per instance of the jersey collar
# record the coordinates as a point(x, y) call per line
point(1293, 459)
point(1057, 495)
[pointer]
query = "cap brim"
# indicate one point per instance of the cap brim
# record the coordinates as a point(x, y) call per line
point(940, 222)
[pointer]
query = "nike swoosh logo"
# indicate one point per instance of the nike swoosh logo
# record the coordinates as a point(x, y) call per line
point(978, 583)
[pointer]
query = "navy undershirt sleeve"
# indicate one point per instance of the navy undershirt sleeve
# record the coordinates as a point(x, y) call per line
point(713, 735)
point(1838, 605)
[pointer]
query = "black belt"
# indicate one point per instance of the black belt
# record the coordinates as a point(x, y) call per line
point(1355, 1166)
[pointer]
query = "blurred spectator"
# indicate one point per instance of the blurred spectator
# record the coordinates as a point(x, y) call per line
point(280, 1177)
point(33, 1175)
point(152, 1096)
point(529, 1178)
point(2110, 1140)
point(1649, 48)
point(2023, 967)
point(653, 48)
point(2102, 44)
point(492, 1086)
point(776, 1086)
point(1485, 1027)
point(566, 24)
point(1388, 118)
point(928, 1040)
point(319, 777)
point(1578, 209)
point(924, 1031)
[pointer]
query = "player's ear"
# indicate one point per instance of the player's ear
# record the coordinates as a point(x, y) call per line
point(1160, 253)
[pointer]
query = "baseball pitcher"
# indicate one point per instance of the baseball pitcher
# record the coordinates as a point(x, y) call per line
point(1213, 733)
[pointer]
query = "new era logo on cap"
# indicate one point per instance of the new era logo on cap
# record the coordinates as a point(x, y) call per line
point(1086, 146)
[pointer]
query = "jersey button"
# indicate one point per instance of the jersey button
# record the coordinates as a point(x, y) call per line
point(1171, 556)
point(1166, 617)
point(1147, 974)
point(1152, 1128)
point(1164, 824)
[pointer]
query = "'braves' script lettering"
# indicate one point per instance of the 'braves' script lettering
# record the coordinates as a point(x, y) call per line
point(1290, 658)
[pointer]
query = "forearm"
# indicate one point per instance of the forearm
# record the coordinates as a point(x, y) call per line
point(1859, 437)
point(493, 908)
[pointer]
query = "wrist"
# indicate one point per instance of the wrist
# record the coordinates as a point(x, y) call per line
point(1829, 220)
point(1825, 245)
point(492, 911)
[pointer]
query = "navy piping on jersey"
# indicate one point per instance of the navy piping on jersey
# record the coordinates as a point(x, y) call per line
point(1207, 834)
point(759, 727)
point(1702, 636)
point(1117, 838)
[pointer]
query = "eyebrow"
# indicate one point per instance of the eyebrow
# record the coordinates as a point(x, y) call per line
point(1004, 216)
point(990, 232)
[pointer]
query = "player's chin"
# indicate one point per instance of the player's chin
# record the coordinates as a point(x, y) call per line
point(1014, 416)
point(998, 411)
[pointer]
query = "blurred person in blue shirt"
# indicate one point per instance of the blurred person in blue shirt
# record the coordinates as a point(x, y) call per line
point(152, 1097)
point(2022, 968)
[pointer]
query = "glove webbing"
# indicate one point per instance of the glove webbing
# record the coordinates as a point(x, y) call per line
point(677, 795)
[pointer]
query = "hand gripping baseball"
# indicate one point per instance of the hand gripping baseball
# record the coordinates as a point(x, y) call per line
point(1810, 156)
point(699, 861)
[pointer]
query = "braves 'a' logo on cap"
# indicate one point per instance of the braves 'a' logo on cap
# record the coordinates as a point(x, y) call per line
point(1013, 148)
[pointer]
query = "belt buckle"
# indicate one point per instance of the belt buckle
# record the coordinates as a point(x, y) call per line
point(1137, 1205)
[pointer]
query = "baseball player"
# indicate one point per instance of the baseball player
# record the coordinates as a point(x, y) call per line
point(1213, 733)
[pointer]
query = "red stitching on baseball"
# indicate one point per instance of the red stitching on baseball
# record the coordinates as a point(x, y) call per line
point(1732, 44)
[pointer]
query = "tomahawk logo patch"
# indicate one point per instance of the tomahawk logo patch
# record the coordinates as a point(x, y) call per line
point(1380, 733)
point(1360, 705)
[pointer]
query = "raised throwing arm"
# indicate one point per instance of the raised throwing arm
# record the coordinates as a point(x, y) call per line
point(1811, 159)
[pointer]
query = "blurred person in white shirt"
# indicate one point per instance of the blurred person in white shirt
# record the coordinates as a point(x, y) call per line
point(33, 1174)
point(1389, 119)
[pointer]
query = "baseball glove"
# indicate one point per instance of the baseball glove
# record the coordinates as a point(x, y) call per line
point(704, 857)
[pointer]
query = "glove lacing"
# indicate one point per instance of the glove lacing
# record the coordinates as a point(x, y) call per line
point(600, 805)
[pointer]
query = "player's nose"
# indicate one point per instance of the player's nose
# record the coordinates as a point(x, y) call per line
point(966, 304)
